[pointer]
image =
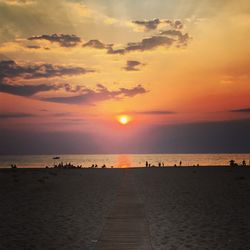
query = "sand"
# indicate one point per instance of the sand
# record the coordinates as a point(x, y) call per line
point(197, 208)
point(54, 209)
point(185, 208)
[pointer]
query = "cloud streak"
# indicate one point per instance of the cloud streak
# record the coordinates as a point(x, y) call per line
point(95, 44)
point(166, 39)
point(149, 25)
point(61, 39)
point(146, 44)
point(132, 65)
point(9, 115)
point(10, 70)
point(26, 90)
point(101, 94)
point(245, 110)
point(154, 112)
point(18, 2)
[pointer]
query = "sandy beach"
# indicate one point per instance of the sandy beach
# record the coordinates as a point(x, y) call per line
point(184, 208)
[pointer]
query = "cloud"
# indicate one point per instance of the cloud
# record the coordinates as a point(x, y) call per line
point(146, 44)
point(30, 90)
point(10, 70)
point(62, 114)
point(62, 39)
point(101, 94)
point(18, 2)
point(154, 112)
point(95, 44)
point(245, 110)
point(33, 46)
point(180, 38)
point(209, 137)
point(26, 90)
point(132, 65)
point(166, 38)
point(177, 24)
point(9, 115)
point(149, 25)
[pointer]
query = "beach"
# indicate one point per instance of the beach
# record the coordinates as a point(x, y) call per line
point(182, 208)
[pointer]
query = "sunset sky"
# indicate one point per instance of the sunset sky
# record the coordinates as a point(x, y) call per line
point(179, 69)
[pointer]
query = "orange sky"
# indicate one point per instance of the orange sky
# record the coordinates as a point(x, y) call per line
point(161, 62)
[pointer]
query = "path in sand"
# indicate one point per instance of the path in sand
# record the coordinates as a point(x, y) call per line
point(126, 226)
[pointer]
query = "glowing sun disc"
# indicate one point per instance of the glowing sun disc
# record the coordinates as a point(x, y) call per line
point(123, 119)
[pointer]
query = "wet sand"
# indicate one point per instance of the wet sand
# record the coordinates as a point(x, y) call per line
point(184, 208)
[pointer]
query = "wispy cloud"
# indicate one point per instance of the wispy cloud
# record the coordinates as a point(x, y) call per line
point(18, 2)
point(100, 94)
point(154, 24)
point(26, 90)
point(132, 65)
point(95, 44)
point(244, 110)
point(154, 112)
point(10, 69)
point(8, 115)
point(62, 39)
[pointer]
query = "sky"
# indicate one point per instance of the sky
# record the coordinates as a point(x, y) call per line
point(180, 70)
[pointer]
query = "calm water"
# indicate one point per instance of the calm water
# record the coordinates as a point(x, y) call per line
point(123, 161)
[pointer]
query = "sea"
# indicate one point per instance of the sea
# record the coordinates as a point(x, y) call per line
point(122, 160)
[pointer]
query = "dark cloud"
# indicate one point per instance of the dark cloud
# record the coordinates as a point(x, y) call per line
point(146, 44)
point(150, 43)
point(132, 65)
point(4, 58)
point(19, 2)
point(116, 51)
point(102, 93)
point(30, 90)
point(209, 137)
point(154, 112)
point(84, 95)
point(148, 24)
point(9, 70)
point(15, 115)
point(33, 47)
point(178, 24)
point(62, 114)
point(62, 39)
point(245, 110)
point(26, 90)
point(166, 38)
point(153, 24)
point(95, 44)
point(30, 142)
point(174, 24)
point(180, 38)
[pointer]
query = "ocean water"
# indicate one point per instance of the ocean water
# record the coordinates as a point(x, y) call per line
point(123, 160)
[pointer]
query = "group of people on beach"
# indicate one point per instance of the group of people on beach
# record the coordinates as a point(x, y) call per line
point(61, 165)
point(160, 164)
point(232, 163)
point(67, 165)
point(71, 166)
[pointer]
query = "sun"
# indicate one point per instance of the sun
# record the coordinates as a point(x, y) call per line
point(123, 119)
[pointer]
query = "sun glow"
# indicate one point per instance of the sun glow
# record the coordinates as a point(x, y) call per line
point(124, 119)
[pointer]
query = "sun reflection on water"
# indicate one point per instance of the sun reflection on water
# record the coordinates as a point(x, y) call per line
point(123, 161)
